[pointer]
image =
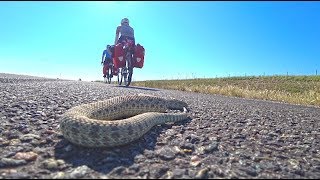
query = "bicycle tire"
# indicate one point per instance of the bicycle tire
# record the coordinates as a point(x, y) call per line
point(109, 76)
point(110, 73)
point(124, 75)
point(129, 67)
point(120, 76)
point(129, 76)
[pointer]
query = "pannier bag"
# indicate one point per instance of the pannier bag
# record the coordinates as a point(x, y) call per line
point(115, 71)
point(138, 56)
point(118, 60)
point(106, 67)
point(104, 70)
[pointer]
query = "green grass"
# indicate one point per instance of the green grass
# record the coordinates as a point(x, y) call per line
point(303, 90)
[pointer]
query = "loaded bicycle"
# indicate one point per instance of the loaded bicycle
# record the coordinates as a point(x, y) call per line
point(127, 57)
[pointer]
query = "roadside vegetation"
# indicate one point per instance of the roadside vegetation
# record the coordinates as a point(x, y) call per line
point(303, 90)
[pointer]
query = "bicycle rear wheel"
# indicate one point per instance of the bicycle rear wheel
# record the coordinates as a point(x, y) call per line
point(129, 68)
point(109, 75)
point(125, 76)
point(130, 71)
point(120, 77)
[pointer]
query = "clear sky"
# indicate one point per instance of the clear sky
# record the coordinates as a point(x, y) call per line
point(182, 39)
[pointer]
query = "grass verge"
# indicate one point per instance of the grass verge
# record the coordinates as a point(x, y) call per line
point(303, 90)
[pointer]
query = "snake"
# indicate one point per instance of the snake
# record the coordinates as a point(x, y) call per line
point(119, 120)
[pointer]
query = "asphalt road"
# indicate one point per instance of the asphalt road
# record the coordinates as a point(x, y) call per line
point(223, 137)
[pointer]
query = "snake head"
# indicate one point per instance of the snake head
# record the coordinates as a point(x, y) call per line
point(172, 104)
point(175, 104)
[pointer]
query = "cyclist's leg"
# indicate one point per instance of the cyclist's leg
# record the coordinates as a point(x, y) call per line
point(122, 38)
point(132, 50)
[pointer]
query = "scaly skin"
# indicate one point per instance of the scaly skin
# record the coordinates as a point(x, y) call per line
point(119, 120)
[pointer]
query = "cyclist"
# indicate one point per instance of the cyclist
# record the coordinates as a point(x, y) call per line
point(106, 59)
point(125, 30)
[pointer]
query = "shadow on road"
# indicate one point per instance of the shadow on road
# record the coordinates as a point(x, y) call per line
point(136, 87)
point(110, 160)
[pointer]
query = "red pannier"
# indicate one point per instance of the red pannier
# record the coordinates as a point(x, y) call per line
point(118, 59)
point(138, 56)
point(106, 67)
point(104, 70)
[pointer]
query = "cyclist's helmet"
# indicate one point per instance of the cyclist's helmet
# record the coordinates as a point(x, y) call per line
point(125, 20)
point(108, 46)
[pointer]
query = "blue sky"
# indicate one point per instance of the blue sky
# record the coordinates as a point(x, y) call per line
point(182, 39)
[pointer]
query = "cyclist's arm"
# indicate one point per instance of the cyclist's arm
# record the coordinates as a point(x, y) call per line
point(117, 35)
point(104, 52)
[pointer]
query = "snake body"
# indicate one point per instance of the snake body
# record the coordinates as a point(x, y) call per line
point(119, 120)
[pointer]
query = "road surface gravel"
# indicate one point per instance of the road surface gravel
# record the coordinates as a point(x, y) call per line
point(224, 137)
